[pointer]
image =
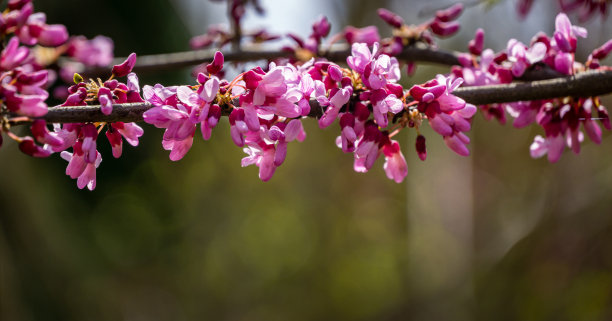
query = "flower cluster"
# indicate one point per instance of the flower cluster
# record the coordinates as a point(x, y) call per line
point(560, 118)
point(265, 108)
point(265, 105)
point(83, 137)
point(32, 48)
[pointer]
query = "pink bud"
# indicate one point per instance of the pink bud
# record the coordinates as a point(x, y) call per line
point(125, 67)
point(477, 43)
point(321, 27)
point(444, 29)
point(216, 65)
point(390, 18)
point(603, 51)
point(450, 14)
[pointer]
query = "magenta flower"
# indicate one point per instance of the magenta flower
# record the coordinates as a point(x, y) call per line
point(35, 30)
point(395, 164)
point(84, 172)
point(238, 126)
point(13, 55)
point(130, 131)
point(522, 57)
point(179, 147)
point(368, 149)
point(173, 115)
point(361, 56)
point(261, 155)
point(381, 71)
point(105, 97)
point(565, 34)
point(29, 147)
point(42, 134)
point(339, 97)
point(448, 114)
point(347, 137)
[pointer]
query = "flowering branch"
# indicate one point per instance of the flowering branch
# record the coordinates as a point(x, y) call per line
point(358, 89)
point(586, 84)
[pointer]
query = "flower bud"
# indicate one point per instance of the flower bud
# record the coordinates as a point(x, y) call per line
point(125, 67)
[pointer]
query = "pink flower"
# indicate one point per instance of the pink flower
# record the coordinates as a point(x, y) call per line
point(522, 57)
point(368, 149)
point(339, 97)
point(42, 134)
point(448, 115)
point(13, 55)
point(173, 115)
point(262, 157)
point(361, 56)
point(395, 164)
point(348, 137)
point(565, 34)
point(29, 147)
point(84, 172)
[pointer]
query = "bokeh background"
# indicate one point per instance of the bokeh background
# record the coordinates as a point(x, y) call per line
point(494, 236)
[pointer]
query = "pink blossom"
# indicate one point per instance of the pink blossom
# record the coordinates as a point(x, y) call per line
point(29, 147)
point(395, 164)
point(522, 57)
point(42, 134)
point(565, 34)
point(84, 172)
point(13, 55)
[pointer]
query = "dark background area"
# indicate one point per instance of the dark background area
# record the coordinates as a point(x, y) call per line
point(495, 236)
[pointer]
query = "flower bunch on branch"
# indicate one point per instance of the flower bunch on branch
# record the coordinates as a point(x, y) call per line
point(357, 89)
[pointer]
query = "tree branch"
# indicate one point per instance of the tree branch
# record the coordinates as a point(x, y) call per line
point(418, 52)
point(337, 53)
point(585, 84)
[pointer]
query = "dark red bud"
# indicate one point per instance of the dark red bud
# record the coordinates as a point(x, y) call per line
point(421, 148)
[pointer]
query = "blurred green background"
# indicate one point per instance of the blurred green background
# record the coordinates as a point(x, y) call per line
point(495, 236)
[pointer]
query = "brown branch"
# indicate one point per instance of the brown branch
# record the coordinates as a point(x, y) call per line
point(418, 52)
point(585, 84)
point(338, 53)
